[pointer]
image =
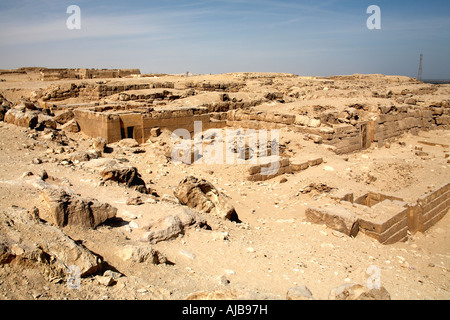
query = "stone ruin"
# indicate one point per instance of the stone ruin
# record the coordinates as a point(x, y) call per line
point(385, 218)
point(141, 110)
point(59, 74)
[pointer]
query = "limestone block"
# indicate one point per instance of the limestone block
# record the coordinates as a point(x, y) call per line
point(334, 217)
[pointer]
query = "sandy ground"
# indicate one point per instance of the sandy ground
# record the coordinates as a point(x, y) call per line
point(272, 250)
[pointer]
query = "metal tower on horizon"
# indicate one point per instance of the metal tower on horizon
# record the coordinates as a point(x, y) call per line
point(419, 75)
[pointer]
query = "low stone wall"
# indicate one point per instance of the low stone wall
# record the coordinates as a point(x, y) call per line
point(345, 137)
point(115, 126)
point(58, 74)
point(259, 120)
point(95, 91)
point(269, 167)
point(388, 219)
point(430, 208)
point(180, 118)
point(391, 226)
point(218, 86)
point(342, 138)
point(273, 166)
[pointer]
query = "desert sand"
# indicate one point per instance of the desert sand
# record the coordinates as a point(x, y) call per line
point(273, 247)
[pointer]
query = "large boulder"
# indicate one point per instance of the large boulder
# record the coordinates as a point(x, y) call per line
point(68, 209)
point(28, 119)
point(25, 239)
point(126, 175)
point(5, 105)
point(299, 293)
point(45, 121)
point(141, 254)
point(128, 143)
point(81, 156)
point(166, 228)
point(201, 195)
point(99, 144)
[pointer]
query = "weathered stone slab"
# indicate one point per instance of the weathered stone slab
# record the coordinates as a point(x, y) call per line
point(201, 195)
point(66, 209)
point(26, 239)
point(334, 217)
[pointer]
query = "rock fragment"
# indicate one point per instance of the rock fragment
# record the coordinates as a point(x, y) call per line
point(201, 195)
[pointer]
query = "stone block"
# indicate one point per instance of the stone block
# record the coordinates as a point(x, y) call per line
point(334, 217)
point(299, 165)
point(315, 162)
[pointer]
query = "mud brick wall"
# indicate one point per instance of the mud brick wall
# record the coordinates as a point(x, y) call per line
point(128, 72)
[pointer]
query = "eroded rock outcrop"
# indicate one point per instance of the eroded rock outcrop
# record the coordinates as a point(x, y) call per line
point(172, 226)
point(201, 195)
point(127, 175)
point(25, 240)
point(68, 209)
point(352, 291)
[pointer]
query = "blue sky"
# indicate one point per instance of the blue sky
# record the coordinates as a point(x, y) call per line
point(306, 37)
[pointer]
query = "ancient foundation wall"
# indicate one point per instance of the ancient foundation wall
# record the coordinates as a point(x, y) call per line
point(95, 91)
point(346, 138)
point(116, 126)
point(430, 208)
point(180, 118)
point(96, 124)
point(210, 86)
point(259, 120)
point(57, 74)
point(388, 219)
point(387, 230)
point(342, 138)
point(273, 166)
point(269, 167)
